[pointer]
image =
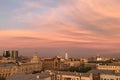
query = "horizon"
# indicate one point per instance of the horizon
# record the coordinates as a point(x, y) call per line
point(61, 52)
point(82, 28)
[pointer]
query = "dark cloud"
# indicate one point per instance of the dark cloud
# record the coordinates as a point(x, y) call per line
point(27, 38)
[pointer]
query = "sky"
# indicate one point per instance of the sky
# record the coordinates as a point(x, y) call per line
point(53, 27)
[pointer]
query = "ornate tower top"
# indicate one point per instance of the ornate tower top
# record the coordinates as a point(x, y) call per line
point(35, 58)
point(66, 56)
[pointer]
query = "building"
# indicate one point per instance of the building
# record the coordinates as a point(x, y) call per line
point(35, 58)
point(62, 75)
point(55, 63)
point(39, 76)
point(66, 56)
point(7, 60)
point(14, 54)
point(10, 54)
point(104, 75)
point(58, 63)
point(72, 76)
point(113, 67)
point(98, 59)
point(109, 77)
point(6, 54)
point(91, 75)
point(9, 69)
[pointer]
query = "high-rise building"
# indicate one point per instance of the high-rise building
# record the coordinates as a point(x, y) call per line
point(15, 54)
point(6, 54)
point(10, 54)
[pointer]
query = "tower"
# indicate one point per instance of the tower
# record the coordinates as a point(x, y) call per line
point(10, 54)
point(14, 54)
point(6, 54)
point(66, 56)
point(35, 58)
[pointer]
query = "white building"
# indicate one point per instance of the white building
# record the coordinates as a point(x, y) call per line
point(66, 56)
point(112, 67)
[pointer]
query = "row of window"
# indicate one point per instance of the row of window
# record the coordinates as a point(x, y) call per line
point(110, 79)
point(109, 67)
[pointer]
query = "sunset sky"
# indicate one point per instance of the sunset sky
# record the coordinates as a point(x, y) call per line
point(50, 27)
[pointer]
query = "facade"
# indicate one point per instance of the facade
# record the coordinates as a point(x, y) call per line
point(104, 75)
point(72, 76)
point(109, 77)
point(111, 67)
point(56, 63)
point(10, 54)
point(35, 59)
point(62, 75)
point(14, 54)
point(92, 75)
point(98, 59)
point(7, 60)
point(8, 69)
point(39, 76)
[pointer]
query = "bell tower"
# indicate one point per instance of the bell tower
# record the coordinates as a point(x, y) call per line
point(66, 56)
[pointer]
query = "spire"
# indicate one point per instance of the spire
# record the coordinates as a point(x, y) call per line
point(66, 56)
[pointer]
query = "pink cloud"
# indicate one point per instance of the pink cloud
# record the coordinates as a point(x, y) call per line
point(80, 21)
point(108, 8)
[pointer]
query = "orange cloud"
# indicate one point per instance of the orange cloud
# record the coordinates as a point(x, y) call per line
point(78, 23)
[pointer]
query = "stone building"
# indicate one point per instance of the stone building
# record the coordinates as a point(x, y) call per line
point(35, 58)
point(112, 67)
point(8, 69)
point(7, 60)
point(72, 76)
point(39, 76)
point(56, 63)
point(109, 77)
point(104, 75)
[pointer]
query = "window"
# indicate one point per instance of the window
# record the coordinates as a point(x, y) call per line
point(117, 79)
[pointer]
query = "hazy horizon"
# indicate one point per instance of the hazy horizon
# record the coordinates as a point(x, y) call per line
point(72, 52)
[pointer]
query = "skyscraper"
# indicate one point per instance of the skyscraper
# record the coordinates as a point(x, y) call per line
point(6, 54)
point(10, 54)
point(14, 54)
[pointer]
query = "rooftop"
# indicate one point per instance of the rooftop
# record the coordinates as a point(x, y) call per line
point(7, 64)
point(40, 76)
point(96, 71)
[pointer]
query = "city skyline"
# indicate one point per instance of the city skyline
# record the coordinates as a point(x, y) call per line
point(78, 27)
